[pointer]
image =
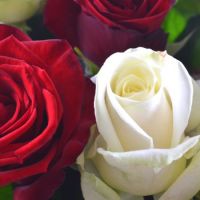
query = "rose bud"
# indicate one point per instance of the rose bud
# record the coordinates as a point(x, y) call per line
point(100, 28)
point(147, 137)
point(45, 113)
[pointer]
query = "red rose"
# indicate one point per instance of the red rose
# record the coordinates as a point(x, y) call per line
point(101, 27)
point(44, 117)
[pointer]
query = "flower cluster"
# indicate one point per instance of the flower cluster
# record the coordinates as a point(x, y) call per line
point(103, 97)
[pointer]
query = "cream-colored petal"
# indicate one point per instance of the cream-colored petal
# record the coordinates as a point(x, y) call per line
point(156, 158)
point(103, 120)
point(142, 180)
point(126, 196)
point(154, 116)
point(143, 172)
point(95, 189)
point(131, 135)
point(187, 184)
point(178, 84)
point(194, 120)
point(103, 116)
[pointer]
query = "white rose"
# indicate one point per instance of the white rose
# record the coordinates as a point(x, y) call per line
point(146, 141)
point(15, 11)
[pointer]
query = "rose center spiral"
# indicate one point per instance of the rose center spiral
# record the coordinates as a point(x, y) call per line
point(136, 82)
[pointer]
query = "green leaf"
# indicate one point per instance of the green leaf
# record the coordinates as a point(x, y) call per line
point(174, 24)
point(6, 193)
point(176, 21)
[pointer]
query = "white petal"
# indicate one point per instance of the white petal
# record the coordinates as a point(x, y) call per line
point(154, 116)
point(187, 185)
point(104, 122)
point(142, 180)
point(103, 118)
point(95, 189)
point(126, 128)
point(126, 196)
point(156, 158)
point(143, 172)
point(194, 120)
point(178, 84)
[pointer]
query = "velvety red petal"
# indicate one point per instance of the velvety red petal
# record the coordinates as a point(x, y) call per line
point(13, 48)
point(116, 13)
point(146, 17)
point(6, 31)
point(146, 24)
point(7, 156)
point(71, 150)
point(109, 40)
point(13, 175)
point(16, 96)
point(80, 136)
point(42, 189)
point(19, 131)
point(49, 131)
point(89, 8)
point(60, 16)
point(65, 71)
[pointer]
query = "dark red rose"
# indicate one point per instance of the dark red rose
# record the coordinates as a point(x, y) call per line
point(101, 27)
point(45, 113)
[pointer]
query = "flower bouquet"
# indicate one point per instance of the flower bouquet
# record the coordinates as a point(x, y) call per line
point(99, 100)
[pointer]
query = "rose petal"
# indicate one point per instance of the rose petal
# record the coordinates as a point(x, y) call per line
point(105, 116)
point(147, 115)
point(80, 136)
point(108, 41)
point(51, 180)
point(48, 133)
point(63, 22)
point(17, 174)
point(143, 172)
point(89, 8)
point(156, 158)
point(187, 184)
point(62, 68)
point(194, 120)
point(6, 31)
point(181, 99)
point(21, 51)
point(94, 188)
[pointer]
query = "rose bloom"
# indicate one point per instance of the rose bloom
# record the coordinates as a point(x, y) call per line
point(44, 115)
point(15, 11)
point(146, 141)
point(101, 27)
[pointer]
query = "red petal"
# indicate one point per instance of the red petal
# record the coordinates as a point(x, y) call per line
point(108, 40)
point(6, 31)
point(49, 131)
point(17, 174)
point(80, 136)
point(15, 49)
point(60, 16)
point(42, 189)
point(64, 69)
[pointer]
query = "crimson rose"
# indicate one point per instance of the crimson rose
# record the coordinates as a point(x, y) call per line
point(101, 27)
point(44, 117)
